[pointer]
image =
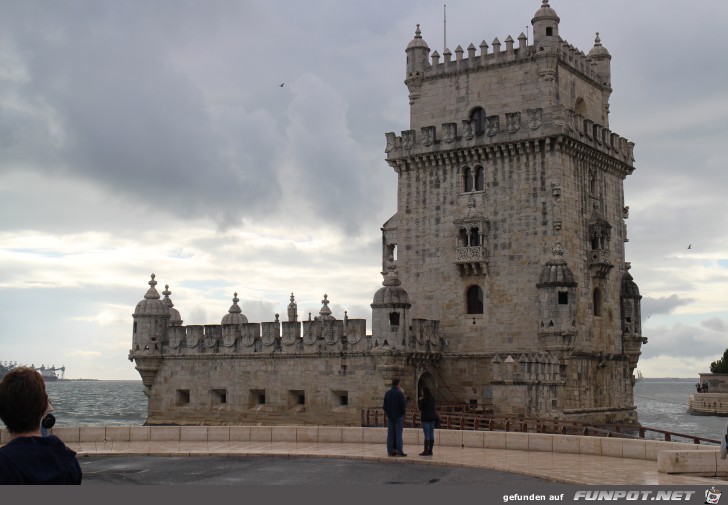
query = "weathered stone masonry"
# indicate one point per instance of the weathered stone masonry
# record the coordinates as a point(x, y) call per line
point(509, 289)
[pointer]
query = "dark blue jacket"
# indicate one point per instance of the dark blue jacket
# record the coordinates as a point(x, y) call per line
point(427, 408)
point(38, 460)
point(395, 404)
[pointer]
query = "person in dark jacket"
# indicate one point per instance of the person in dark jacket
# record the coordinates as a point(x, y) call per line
point(30, 458)
point(426, 404)
point(395, 406)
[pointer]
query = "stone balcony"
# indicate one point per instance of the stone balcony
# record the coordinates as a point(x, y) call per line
point(471, 261)
point(599, 262)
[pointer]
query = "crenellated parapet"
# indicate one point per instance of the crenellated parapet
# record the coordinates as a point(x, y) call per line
point(509, 134)
point(281, 337)
point(547, 51)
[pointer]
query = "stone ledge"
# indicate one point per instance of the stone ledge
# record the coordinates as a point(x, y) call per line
point(692, 462)
point(639, 449)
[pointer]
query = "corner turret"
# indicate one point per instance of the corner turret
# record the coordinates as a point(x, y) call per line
point(418, 59)
point(545, 26)
point(557, 303)
point(151, 318)
point(602, 59)
point(390, 310)
point(418, 54)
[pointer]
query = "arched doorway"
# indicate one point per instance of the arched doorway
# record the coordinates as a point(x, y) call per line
point(426, 379)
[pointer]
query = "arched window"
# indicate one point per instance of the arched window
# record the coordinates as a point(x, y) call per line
point(463, 238)
point(474, 237)
point(477, 119)
point(597, 301)
point(479, 179)
point(475, 300)
point(467, 180)
point(580, 106)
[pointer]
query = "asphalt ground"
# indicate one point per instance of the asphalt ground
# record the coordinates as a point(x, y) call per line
point(282, 471)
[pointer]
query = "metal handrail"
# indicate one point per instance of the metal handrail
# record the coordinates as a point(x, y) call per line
point(464, 420)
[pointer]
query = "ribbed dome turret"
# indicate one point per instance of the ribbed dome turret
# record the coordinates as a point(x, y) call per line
point(418, 41)
point(392, 293)
point(174, 317)
point(418, 55)
point(556, 272)
point(599, 51)
point(629, 286)
point(235, 314)
point(151, 305)
point(545, 13)
point(545, 26)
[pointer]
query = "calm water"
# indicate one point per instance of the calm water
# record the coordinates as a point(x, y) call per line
point(661, 403)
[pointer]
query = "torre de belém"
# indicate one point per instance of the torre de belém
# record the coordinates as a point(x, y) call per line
point(505, 282)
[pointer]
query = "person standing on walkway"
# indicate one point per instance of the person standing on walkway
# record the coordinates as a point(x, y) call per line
point(29, 458)
point(426, 404)
point(395, 406)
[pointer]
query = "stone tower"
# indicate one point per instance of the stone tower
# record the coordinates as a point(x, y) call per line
point(510, 225)
point(509, 290)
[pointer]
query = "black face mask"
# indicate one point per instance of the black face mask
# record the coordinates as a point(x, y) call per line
point(48, 421)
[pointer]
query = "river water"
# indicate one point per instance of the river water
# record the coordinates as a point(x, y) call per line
point(661, 403)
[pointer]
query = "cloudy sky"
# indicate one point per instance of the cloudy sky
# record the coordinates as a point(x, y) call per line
point(140, 137)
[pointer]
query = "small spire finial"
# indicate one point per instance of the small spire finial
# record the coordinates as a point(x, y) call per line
point(151, 292)
point(418, 33)
point(167, 301)
point(293, 309)
point(325, 311)
point(235, 308)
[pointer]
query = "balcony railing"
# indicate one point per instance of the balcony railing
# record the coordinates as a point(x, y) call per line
point(471, 260)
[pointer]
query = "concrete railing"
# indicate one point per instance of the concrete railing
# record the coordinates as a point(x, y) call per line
point(168, 439)
point(692, 462)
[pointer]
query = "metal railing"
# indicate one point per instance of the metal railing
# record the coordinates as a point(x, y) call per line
point(464, 417)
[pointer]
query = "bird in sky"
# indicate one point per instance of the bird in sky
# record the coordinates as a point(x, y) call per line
point(690, 246)
point(282, 84)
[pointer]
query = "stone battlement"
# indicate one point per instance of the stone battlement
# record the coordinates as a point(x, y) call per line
point(508, 129)
point(271, 337)
point(496, 55)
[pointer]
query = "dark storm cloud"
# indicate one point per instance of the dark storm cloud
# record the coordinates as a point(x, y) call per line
point(176, 107)
point(104, 98)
